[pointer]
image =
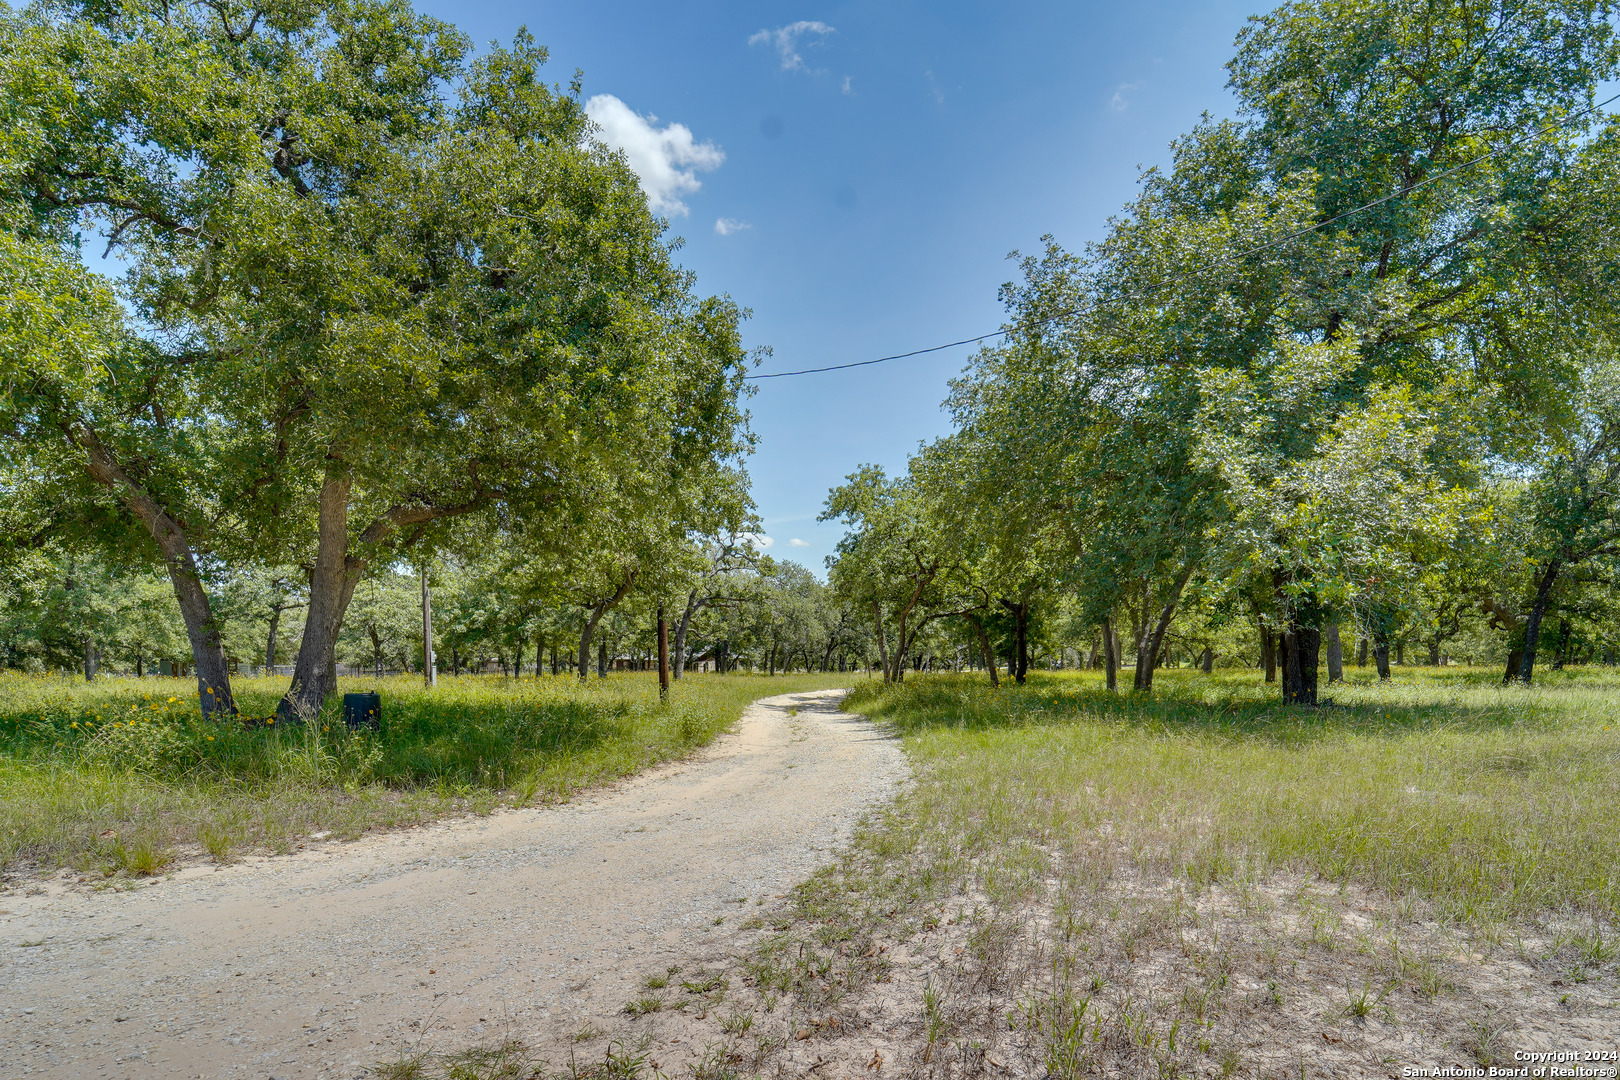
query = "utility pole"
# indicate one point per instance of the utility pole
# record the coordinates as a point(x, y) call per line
point(430, 677)
point(663, 655)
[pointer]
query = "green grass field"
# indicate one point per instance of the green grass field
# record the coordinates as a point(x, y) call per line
point(119, 775)
point(1441, 784)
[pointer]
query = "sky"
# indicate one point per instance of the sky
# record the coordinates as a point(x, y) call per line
point(856, 174)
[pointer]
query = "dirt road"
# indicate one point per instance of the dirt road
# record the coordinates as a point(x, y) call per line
point(321, 963)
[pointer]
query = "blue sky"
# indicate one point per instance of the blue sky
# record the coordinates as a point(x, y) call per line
point(873, 164)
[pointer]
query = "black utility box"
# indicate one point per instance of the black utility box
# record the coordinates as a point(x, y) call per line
point(362, 710)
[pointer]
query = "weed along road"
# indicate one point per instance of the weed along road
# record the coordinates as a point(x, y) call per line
point(323, 962)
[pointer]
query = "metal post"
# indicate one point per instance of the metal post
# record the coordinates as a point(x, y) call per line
point(430, 677)
point(663, 655)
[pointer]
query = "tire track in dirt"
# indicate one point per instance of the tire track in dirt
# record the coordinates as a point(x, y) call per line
point(321, 963)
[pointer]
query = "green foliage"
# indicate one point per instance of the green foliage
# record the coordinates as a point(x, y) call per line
point(898, 564)
point(1313, 371)
point(380, 294)
point(60, 610)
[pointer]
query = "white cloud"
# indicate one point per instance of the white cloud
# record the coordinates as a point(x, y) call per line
point(726, 226)
point(667, 160)
point(1119, 102)
point(786, 40)
point(849, 89)
point(759, 540)
point(796, 542)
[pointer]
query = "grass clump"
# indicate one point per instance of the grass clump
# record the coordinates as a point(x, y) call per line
point(642, 1006)
point(508, 1060)
point(124, 775)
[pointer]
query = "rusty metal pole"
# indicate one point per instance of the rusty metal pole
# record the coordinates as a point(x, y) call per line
point(663, 655)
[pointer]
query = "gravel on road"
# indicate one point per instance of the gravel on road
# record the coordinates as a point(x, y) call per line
point(321, 963)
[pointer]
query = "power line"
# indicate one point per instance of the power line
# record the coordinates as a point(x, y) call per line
point(881, 359)
point(1159, 286)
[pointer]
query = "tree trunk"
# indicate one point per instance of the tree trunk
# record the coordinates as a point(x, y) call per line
point(1335, 655)
point(1206, 660)
point(331, 586)
point(1021, 622)
point(1381, 658)
point(270, 640)
point(883, 648)
point(1434, 650)
point(989, 654)
point(1560, 656)
point(1300, 647)
point(1111, 654)
point(90, 660)
point(1361, 651)
point(1400, 652)
point(901, 644)
point(1147, 649)
point(594, 617)
point(202, 631)
point(1532, 623)
point(678, 658)
point(601, 658)
point(1268, 652)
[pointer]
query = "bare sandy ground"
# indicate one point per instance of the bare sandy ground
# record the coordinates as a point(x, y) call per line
point(324, 962)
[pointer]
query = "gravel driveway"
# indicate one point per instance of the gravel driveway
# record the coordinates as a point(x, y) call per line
point(321, 963)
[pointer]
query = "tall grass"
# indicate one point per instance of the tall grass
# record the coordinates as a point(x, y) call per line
point(1485, 801)
point(119, 774)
